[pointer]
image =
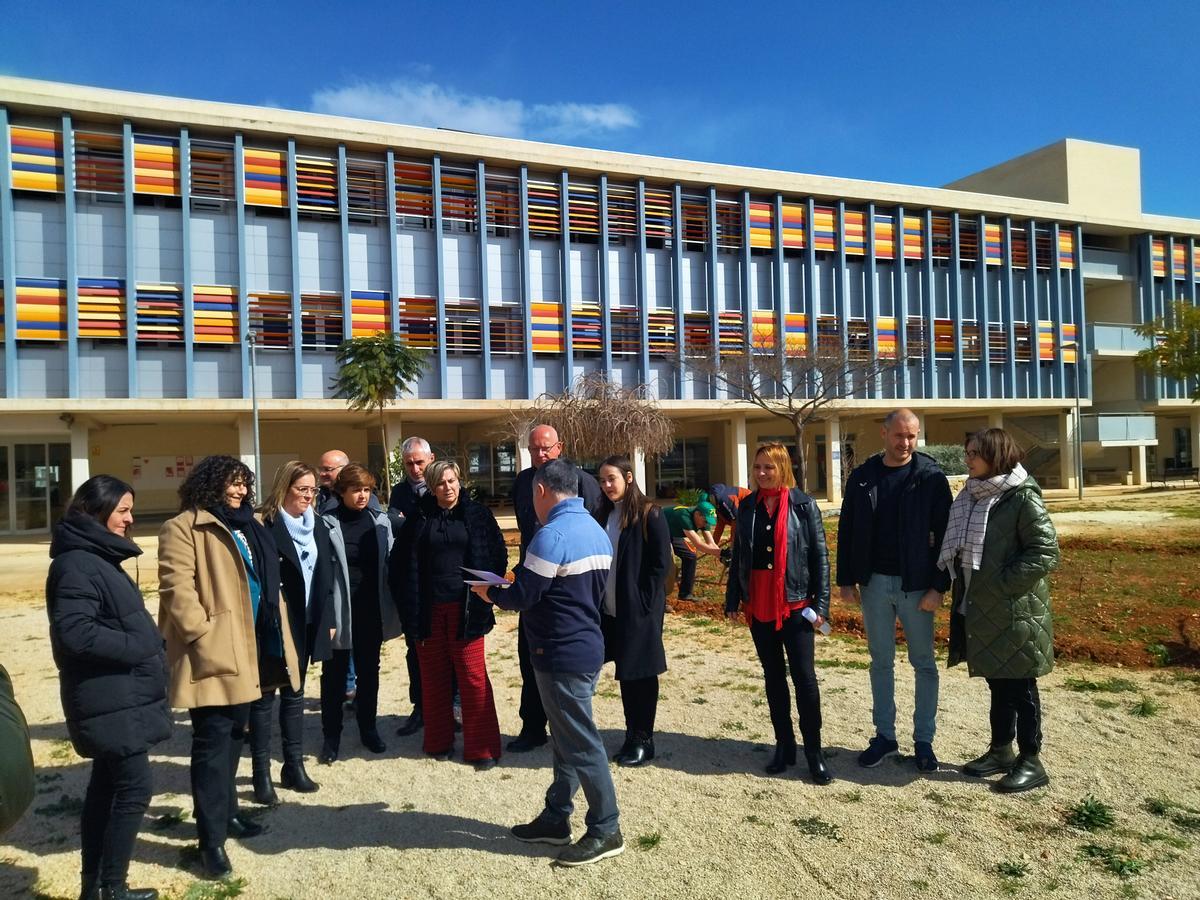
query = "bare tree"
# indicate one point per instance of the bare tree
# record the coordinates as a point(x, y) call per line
point(596, 418)
point(796, 386)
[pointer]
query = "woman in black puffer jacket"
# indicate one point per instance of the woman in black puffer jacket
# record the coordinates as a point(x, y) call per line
point(112, 676)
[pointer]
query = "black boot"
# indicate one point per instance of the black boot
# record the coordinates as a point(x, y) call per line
point(214, 862)
point(414, 723)
point(637, 751)
point(124, 892)
point(294, 778)
point(785, 755)
point(1026, 775)
point(816, 766)
point(260, 778)
point(626, 746)
point(242, 826)
point(999, 758)
point(260, 751)
point(89, 886)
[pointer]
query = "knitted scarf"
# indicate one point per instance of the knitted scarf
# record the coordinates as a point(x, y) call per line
point(301, 529)
point(779, 530)
point(969, 515)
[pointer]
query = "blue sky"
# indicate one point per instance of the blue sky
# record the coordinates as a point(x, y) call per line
point(918, 93)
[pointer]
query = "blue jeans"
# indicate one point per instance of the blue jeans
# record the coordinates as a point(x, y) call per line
point(579, 755)
point(883, 602)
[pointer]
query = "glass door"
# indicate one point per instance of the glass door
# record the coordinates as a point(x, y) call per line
point(30, 487)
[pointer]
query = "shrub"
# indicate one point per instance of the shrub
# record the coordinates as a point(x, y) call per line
point(1090, 814)
point(949, 457)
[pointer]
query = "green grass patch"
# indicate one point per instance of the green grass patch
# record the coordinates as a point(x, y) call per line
point(215, 890)
point(814, 827)
point(648, 841)
point(937, 838)
point(1114, 860)
point(1112, 685)
point(841, 664)
point(1090, 814)
point(1146, 707)
point(1105, 703)
point(172, 817)
point(1009, 868)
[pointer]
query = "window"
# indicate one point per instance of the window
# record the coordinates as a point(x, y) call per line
point(686, 466)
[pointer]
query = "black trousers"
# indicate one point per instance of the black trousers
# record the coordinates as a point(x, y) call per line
point(639, 697)
point(533, 714)
point(796, 639)
point(687, 566)
point(118, 794)
point(1016, 712)
point(333, 687)
point(291, 725)
point(414, 673)
point(217, 736)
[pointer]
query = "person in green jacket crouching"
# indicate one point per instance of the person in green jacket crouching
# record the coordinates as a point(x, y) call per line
point(16, 760)
point(999, 548)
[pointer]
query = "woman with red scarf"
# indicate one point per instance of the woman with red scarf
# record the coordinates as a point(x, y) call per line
point(780, 574)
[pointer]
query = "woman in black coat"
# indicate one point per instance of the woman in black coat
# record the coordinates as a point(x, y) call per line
point(780, 571)
point(449, 623)
point(306, 583)
point(635, 602)
point(112, 676)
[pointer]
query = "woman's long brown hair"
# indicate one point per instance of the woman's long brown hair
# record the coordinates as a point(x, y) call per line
point(637, 504)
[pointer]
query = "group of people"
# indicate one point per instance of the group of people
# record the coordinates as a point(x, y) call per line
point(321, 572)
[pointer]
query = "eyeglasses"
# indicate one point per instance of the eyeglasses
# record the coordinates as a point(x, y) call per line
point(971, 454)
point(546, 449)
point(331, 469)
point(305, 492)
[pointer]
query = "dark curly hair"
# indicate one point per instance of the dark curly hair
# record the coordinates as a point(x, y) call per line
point(204, 488)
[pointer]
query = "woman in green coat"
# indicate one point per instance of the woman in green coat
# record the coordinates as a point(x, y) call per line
point(999, 548)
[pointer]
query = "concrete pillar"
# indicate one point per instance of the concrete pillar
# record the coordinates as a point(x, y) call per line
point(995, 419)
point(1194, 459)
point(1137, 463)
point(833, 460)
point(245, 432)
point(81, 465)
point(1066, 449)
point(737, 452)
point(639, 470)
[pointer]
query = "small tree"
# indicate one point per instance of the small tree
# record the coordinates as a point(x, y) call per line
point(372, 373)
point(1175, 344)
point(596, 418)
point(797, 387)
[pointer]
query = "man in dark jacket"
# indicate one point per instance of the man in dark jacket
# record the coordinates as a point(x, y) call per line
point(405, 502)
point(894, 515)
point(16, 759)
point(544, 445)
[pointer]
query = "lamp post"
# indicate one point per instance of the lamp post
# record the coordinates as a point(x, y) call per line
point(252, 340)
point(1078, 442)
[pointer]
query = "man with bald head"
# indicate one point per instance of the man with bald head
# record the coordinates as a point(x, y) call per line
point(544, 445)
point(332, 463)
point(894, 515)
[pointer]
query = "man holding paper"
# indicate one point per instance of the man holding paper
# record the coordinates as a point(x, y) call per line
point(559, 588)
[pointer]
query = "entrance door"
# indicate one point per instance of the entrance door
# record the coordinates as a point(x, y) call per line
point(40, 478)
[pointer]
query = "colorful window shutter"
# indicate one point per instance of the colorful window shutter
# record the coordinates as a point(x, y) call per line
point(583, 209)
point(1069, 337)
point(316, 184)
point(1, 310)
point(828, 335)
point(414, 190)
point(695, 220)
point(626, 332)
point(1178, 260)
point(503, 203)
point(1066, 250)
point(762, 225)
point(917, 336)
point(99, 162)
point(888, 346)
point(1196, 263)
point(885, 237)
point(994, 245)
point(156, 165)
point(941, 237)
point(1020, 249)
point(464, 327)
point(971, 343)
point(622, 212)
point(587, 334)
point(943, 338)
point(506, 329)
point(366, 187)
point(266, 177)
point(660, 220)
point(1158, 256)
point(914, 237)
point(730, 334)
point(270, 317)
point(856, 233)
point(858, 339)
point(824, 236)
point(101, 308)
point(793, 226)
point(1045, 246)
point(37, 159)
point(548, 334)
point(545, 210)
point(460, 199)
point(762, 331)
point(215, 314)
point(321, 321)
point(41, 309)
point(212, 171)
point(697, 334)
point(796, 340)
point(160, 311)
point(968, 240)
point(660, 326)
point(997, 343)
point(418, 322)
point(370, 313)
point(729, 225)
point(1045, 335)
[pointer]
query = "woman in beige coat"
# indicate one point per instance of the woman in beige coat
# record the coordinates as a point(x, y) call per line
point(227, 636)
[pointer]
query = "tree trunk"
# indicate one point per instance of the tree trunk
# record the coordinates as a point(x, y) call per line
point(387, 478)
point(801, 461)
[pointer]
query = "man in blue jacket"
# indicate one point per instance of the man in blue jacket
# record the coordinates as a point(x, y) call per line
point(559, 588)
point(894, 515)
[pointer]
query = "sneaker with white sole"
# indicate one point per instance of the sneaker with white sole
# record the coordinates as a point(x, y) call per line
point(877, 751)
point(592, 848)
point(544, 830)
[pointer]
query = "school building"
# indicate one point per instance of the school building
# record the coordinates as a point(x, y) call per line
point(144, 238)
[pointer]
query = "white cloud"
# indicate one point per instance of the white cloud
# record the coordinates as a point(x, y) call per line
point(426, 103)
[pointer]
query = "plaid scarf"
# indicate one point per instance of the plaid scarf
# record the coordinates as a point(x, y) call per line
point(968, 518)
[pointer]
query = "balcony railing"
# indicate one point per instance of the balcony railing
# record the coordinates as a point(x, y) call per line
point(1111, 429)
point(1110, 337)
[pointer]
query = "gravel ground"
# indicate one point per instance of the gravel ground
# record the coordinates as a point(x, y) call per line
point(702, 821)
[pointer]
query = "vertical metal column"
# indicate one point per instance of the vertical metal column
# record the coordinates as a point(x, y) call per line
point(677, 288)
point(839, 291)
point(344, 235)
point(72, 260)
point(393, 226)
point(130, 258)
point(485, 320)
point(929, 298)
point(189, 287)
point(439, 259)
point(1032, 308)
point(714, 302)
point(8, 261)
point(239, 194)
point(604, 282)
point(900, 295)
point(294, 245)
point(643, 297)
point(1059, 384)
point(746, 283)
point(779, 297)
point(874, 388)
point(1083, 359)
point(1191, 290)
point(956, 375)
point(565, 274)
point(983, 307)
point(526, 288)
point(812, 308)
point(1163, 299)
point(1008, 308)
